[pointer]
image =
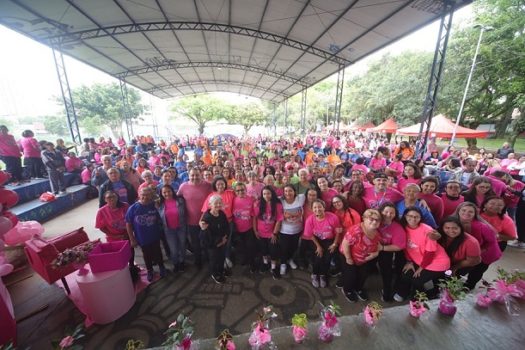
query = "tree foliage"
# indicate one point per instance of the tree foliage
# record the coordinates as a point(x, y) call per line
point(101, 104)
point(201, 109)
point(248, 115)
point(56, 125)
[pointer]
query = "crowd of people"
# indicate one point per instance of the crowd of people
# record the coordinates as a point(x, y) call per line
point(340, 207)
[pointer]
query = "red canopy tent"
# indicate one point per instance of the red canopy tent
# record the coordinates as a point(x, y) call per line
point(389, 126)
point(361, 127)
point(441, 126)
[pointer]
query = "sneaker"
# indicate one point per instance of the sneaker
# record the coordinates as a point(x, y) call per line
point(350, 296)
point(275, 274)
point(315, 281)
point(228, 263)
point(516, 244)
point(362, 295)
point(162, 271)
point(398, 298)
point(218, 279)
point(151, 274)
point(322, 281)
point(339, 283)
point(292, 264)
point(283, 269)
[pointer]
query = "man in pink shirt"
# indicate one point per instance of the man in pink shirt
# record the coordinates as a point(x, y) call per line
point(195, 193)
point(380, 193)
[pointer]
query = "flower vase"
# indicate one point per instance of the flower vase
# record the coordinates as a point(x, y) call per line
point(416, 309)
point(446, 304)
point(299, 334)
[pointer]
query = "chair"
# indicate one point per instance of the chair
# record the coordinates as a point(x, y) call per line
point(41, 253)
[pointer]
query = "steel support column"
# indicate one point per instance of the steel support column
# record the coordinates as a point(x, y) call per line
point(303, 110)
point(274, 119)
point(435, 77)
point(69, 106)
point(286, 116)
point(339, 97)
point(125, 108)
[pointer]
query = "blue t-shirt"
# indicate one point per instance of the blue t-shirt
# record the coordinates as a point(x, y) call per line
point(146, 221)
point(427, 216)
point(121, 191)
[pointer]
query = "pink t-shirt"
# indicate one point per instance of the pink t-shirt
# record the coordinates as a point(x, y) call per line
point(243, 213)
point(504, 226)
point(171, 213)
point(227, 203)
point(393, 234)
point(85, 175)
point(322, 229)
point(327, 197)
point(113, 221)
point(360, 245)
point(360, 167)
point(418, 243)
point(73, 164)
point(30, 147)
point(498, 186)
point(435, 205)
point(8, 146)
point(449, 205)
point(377, 164)
point(397, 166)
point(374, 199)
point(194, 195)
point(512, 200)
point(469, 248)
point(255, 190)
point(402, 183)
point(266, 225)
point(486, 237)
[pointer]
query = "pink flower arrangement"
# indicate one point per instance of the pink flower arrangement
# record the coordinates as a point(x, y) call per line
point(261, 335)
point(419, 305)
point(179, 333)
point(372, 313)
point(329, 327)
point(483, 300)
point(225, 341)
point(66, 342)
point(69, 340)
point(299, 327)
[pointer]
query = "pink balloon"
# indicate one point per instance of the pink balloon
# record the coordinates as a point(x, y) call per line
point(8, 198)
point(23, 231)
point(4, 177)
point(6, 269)
point(5, 225)
point(11, 216)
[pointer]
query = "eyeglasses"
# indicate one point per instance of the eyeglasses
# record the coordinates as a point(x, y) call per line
point(243, 190)
point(336, 202)
point(369, 218)
point(415, 217)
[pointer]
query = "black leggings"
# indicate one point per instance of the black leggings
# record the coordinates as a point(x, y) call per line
point(288, 245)
point(321, 264)
point(475, 275)
point(152, 255)
point(245, 245)
point(385, 262)
point(354, 276)
point(408, 283)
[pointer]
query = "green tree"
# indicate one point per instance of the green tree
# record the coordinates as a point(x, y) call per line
point(56, 125)
point(248, 115)
point(101, 104)
point(201, 109)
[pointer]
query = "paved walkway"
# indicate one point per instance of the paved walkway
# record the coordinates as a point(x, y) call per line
point(212, 307)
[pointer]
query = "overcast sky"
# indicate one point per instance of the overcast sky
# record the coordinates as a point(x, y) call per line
point(28, 78)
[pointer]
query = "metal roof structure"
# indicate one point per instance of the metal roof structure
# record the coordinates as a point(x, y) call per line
point(269, 49)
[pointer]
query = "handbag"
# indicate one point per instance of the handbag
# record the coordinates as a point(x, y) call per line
point(47, 197)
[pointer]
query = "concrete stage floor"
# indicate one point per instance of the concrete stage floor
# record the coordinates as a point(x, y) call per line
point(212, 307)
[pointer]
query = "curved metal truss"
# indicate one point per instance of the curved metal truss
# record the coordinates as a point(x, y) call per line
point(171, 64)
point(217, 82)
point(72, 37)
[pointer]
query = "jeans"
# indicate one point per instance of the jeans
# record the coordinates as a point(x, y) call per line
point(197, 246)
point(13, 165)
point(152, 254)
point(177, 242)
point(56, 179)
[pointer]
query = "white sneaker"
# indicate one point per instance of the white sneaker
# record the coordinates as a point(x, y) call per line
point(398, 298)
point(292, 264)
point(283, 269)
point(315, 281)
point(228, 263)
point(516, 244)
point(322, 281)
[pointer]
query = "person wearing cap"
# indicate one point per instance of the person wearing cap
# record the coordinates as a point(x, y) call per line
point(380, 192)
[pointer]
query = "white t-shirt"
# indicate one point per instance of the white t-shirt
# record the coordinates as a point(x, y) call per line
point(293, 216)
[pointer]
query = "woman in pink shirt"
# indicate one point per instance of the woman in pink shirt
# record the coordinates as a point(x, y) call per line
point(494, 212)
point(306, 245)
point(392, 244)
point(396, 167)
point(462, 248)
point(378, 163)
point(474, 224)
point(358, 252)
point(267, 221)
point(411, 175)
point(10, 155)
point(480, 189)
point(325, 229)
point(426, 259)
point(32, 154)
point(244, 238)
point(172, 210)
point(327, 193)
point(429, 187)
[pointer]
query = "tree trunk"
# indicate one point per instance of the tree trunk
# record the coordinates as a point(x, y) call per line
point(517, 129)
point(201, 128)
point(501, 126)
point(472, 144)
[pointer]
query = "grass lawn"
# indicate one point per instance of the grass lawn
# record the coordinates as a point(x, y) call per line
point(489, 144)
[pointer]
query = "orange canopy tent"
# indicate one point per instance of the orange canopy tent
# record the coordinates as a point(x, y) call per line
point(441, 126)
point(389, 126)
point(361, 127)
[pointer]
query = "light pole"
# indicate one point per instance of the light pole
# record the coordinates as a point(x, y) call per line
point(483, 29)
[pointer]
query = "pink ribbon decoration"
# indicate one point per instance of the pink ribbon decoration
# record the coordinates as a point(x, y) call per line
point(259, 337)
point(501, 290)
point(299, 334)
point(483, 300)
point(416, 309)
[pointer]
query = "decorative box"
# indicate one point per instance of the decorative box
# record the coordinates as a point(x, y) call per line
point(109, 256)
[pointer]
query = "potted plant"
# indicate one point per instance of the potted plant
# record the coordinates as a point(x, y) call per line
point(261, 337)
point(329, 327)
point(225, 341)
point(372, 313)
point(179, 333)
point(418, 305)
point(452, 289)
point(299, 327)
